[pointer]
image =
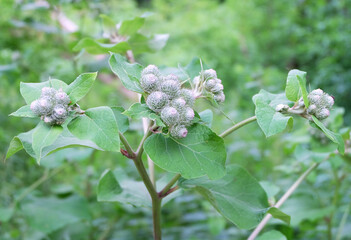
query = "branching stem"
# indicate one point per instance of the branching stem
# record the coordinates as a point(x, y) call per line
point(293, 187)
point(237, 126)
point(165, 191)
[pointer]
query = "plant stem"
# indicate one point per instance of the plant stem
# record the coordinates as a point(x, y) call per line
point(282, 200)
point(126, 144)
point(47, 175)
point(237, 126)
point(342, 223)
point(150, 163)
point(165, 190)
point(156, 217)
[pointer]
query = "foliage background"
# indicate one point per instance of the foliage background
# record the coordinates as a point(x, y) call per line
point(252, 45)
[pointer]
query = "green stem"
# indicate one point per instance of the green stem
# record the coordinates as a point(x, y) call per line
point(342, 223)
point(156, 217)
point(47, 175)
point(126, 145)
point(282, 200)
point(165, 190)
point(237, 126)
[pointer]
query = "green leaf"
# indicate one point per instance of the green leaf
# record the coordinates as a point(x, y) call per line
point(200, 153)
point(206, 116)
point(80, 86)
point(138, 111)
point(270, 121)
point(130, 27)
point(335, 137)
point(98, 125)
point(141, 43)
point(292, 89)
point(272, 235)
point(43, 136)
point(32, 91)
point(67, 140)
point(6, 214)
point(50, 214)
point(237, 196)
point(24, 111)
point(122, 120)
point(128, 73)
point(93, 46)
point(108, 25)
point(22, 141)
point(108, 187)
point(131, 192)
point(15, 146)
point(276, 213)
point(302, 83)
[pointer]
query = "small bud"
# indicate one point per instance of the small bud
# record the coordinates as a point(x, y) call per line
point(218, 80)
point(149, 82)
point(188, 96)
point(179, 131)
point(172, 77)
point(45, 105)
point(178, 103)
point(329, 101)
point(281, 108)
point(62, 97)
point(317, 92)
point(151, 69)
point(170, 87)
point(60, 111)
point(210, 84)
point(219, 97)
point(312, 109)
point(48, 92)
point(313, 98)
point(322, 114)
point(187, 116)
point(34, 106)
point(156, 101)
point(170, 116)
point(48, 119)
point(210, 74)
point(217, 88)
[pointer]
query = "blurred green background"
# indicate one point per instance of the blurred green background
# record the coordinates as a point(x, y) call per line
point(251, 44)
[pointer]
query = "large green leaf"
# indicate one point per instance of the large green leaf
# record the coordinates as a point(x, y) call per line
point(272, 235)
point(6, 213)
point(93, 46)
point(292, 89)
point(335, 137)
point(80, 86)
point(128, 73)
point(141, 43)
point(270, 121)
point(32, 91)
point(44, 135)
point(237, 196)
point(108, 187)
point(129, 192)
point(24, 111)
point(64, 140)
point(50, 214)
point(200, 153)
point(138, 111)
point(98, 125)
point(130, 27)
point(122, 120)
